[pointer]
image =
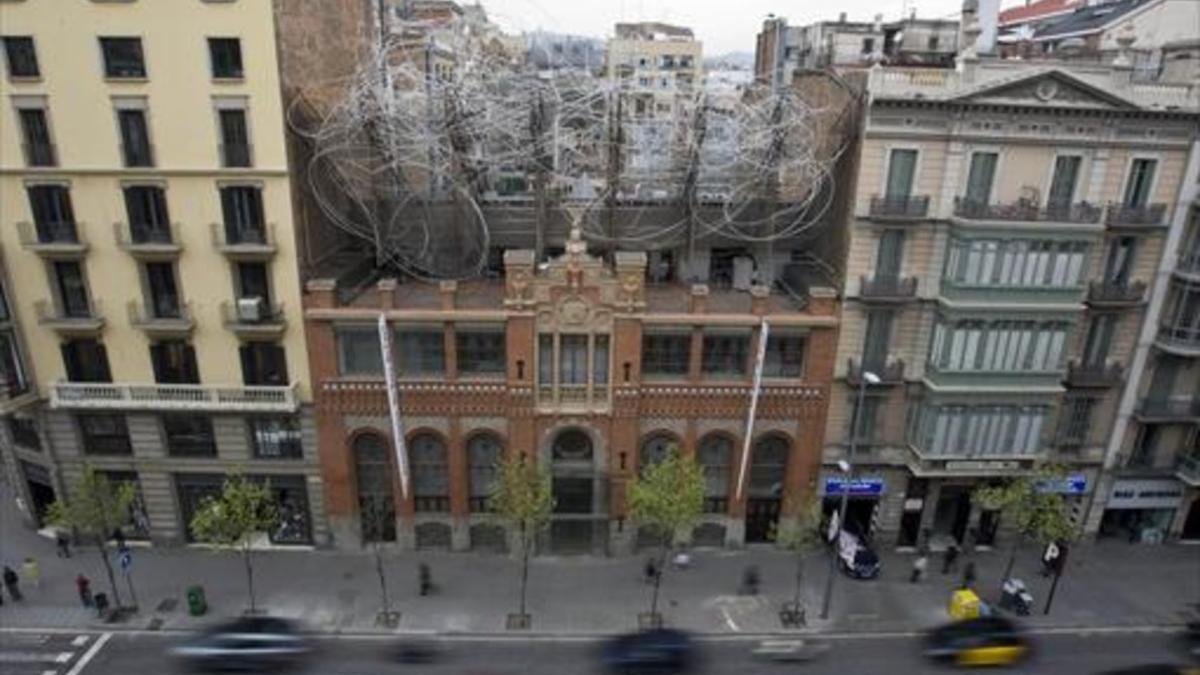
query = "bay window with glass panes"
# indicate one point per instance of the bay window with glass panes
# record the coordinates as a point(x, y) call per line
point(573, 369)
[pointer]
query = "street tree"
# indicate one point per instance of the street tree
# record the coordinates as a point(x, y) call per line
point(668, 498)
point(800, 534)
point(1035, 509)
point(378, 516)
point(96, 507)
point(232, 519)
point(522, 497)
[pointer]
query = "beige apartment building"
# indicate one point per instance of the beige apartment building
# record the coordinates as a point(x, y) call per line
point(657, 63)
point(1010, 220)
point(149, 262)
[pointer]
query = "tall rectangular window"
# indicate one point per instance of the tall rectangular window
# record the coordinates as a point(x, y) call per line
point(891, 254)
point(572, 359)
point(901, 170)
point(189, 435)
point(72, 290)
point(725, 354)
point(980, 178)
point(242, 209)
point(226, 57)
point(12, 371)
point(163, 293)
point(546, 360)
point(53, 215)
point(146, 207)
point(1119, 265)
point(1062, 185)
point(666, 354)
point(420, 351)
point(21, 56)
point(276, 437)
point(480, 351)
point(104, 434)
point(235, 138)
point(264, 364)
point(1140, 182)
point(784, 357)
point(600, 360)
point(174, 362)
point(135, 137)
point(85, 361)
point(123, 57)
point(875, 344)
point(35, 131)
point(1076, 423)
point(359, 352)
point(253, 281)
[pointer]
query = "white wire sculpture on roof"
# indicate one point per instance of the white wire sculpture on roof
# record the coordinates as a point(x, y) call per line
point(423, 159)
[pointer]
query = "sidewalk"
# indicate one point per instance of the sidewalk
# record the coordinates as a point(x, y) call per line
point(1110, 584)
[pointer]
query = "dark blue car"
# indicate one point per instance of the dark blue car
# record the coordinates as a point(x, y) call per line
point(654, 651)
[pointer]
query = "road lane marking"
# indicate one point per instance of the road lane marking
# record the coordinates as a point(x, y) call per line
point(63, 657)
point(49, 672)
point(80, 641)
point(89, 654)
point(729, 620)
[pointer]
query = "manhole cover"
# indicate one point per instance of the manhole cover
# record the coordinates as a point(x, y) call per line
point(167, 605)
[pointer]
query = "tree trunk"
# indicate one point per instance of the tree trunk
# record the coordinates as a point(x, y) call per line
point(799, 580)
point(524, 564)
point(112, 579)
point(383, 591)
point(658, 575)
point(1012, 557)
point(249, 576)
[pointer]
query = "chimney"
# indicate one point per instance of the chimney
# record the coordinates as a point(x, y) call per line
point(842, 17)
point(878, 22)
point(988, 17)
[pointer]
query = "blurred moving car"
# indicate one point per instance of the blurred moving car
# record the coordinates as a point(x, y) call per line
point(416, 651)
point(985, 641)
point(661, 650)
point(856, 558)
point(252, 643)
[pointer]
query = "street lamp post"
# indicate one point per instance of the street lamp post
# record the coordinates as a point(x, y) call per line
point(847, 467)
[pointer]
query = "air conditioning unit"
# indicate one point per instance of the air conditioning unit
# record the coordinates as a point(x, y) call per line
point(251, 309)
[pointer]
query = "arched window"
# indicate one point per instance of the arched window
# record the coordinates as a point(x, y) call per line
point(655, 449)
point(483, 452)
point(430, 476)
point(768, 467)
point(715, 457)
point(572, 446)
point(373, 474)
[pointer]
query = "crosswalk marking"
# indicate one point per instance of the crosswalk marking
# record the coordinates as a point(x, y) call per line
point(79, 641)
point(63, 657)
point(44, 653)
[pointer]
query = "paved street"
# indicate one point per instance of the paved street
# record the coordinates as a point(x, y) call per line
point(1057, 654)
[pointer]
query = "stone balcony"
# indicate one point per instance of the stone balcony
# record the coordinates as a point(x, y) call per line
point(1148, 216)
point(1023, 210)
point(1116, 293)
point(189, 397)
point(1180, 340)
point(87, 323)
point(56, 241)
point(904, 208)
point(887, 289)
point(1087, 375)
point(891, 373)
point(245, 244)
point(148, 243)
point(1183, 409)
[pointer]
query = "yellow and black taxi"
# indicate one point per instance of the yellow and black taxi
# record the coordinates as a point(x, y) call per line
point(983, 641)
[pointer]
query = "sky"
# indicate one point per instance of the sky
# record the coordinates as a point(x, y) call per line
point(726, 26)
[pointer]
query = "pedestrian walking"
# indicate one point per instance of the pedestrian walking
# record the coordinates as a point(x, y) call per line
point(62, 544)
point(424, 579)
point(969, 574)
point(651, 570)
point(84, 585)
point(919, 565)
point(750, 580)
point(119, 537)
point(31, 572)
point(11, 581)
point(949, 558)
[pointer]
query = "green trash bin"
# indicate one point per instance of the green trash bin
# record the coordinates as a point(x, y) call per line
point(195, 600)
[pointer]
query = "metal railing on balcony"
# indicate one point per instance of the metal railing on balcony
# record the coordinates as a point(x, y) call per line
point(892, 289)
point(1180, 408)
point(51, 313)
point(1187, 467)
point(239, 315)
point(41, 154)
point(1150, 215)
point(1094, 374)
point(891, 372)
point(1180, 338)
point(1189, 262)
point(150, 233)
point(244, 240)
point(1116, 292)
point(198, 397)
point(236, 155)
point(900, 207)
point(1027, 210)
point(52, 237)
point(162, 318)
point(146, 241)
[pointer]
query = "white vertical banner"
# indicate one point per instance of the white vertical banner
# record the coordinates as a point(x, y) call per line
point(393, 393)
point(747, 438)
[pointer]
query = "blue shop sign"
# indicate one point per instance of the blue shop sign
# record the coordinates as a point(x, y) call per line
point(859, 487)
point(1071, 485)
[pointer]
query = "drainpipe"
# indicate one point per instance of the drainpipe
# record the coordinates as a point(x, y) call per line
point(393, 394)
point(763, 330)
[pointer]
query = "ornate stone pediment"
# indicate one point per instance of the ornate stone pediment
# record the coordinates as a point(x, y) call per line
point(1052, 89)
